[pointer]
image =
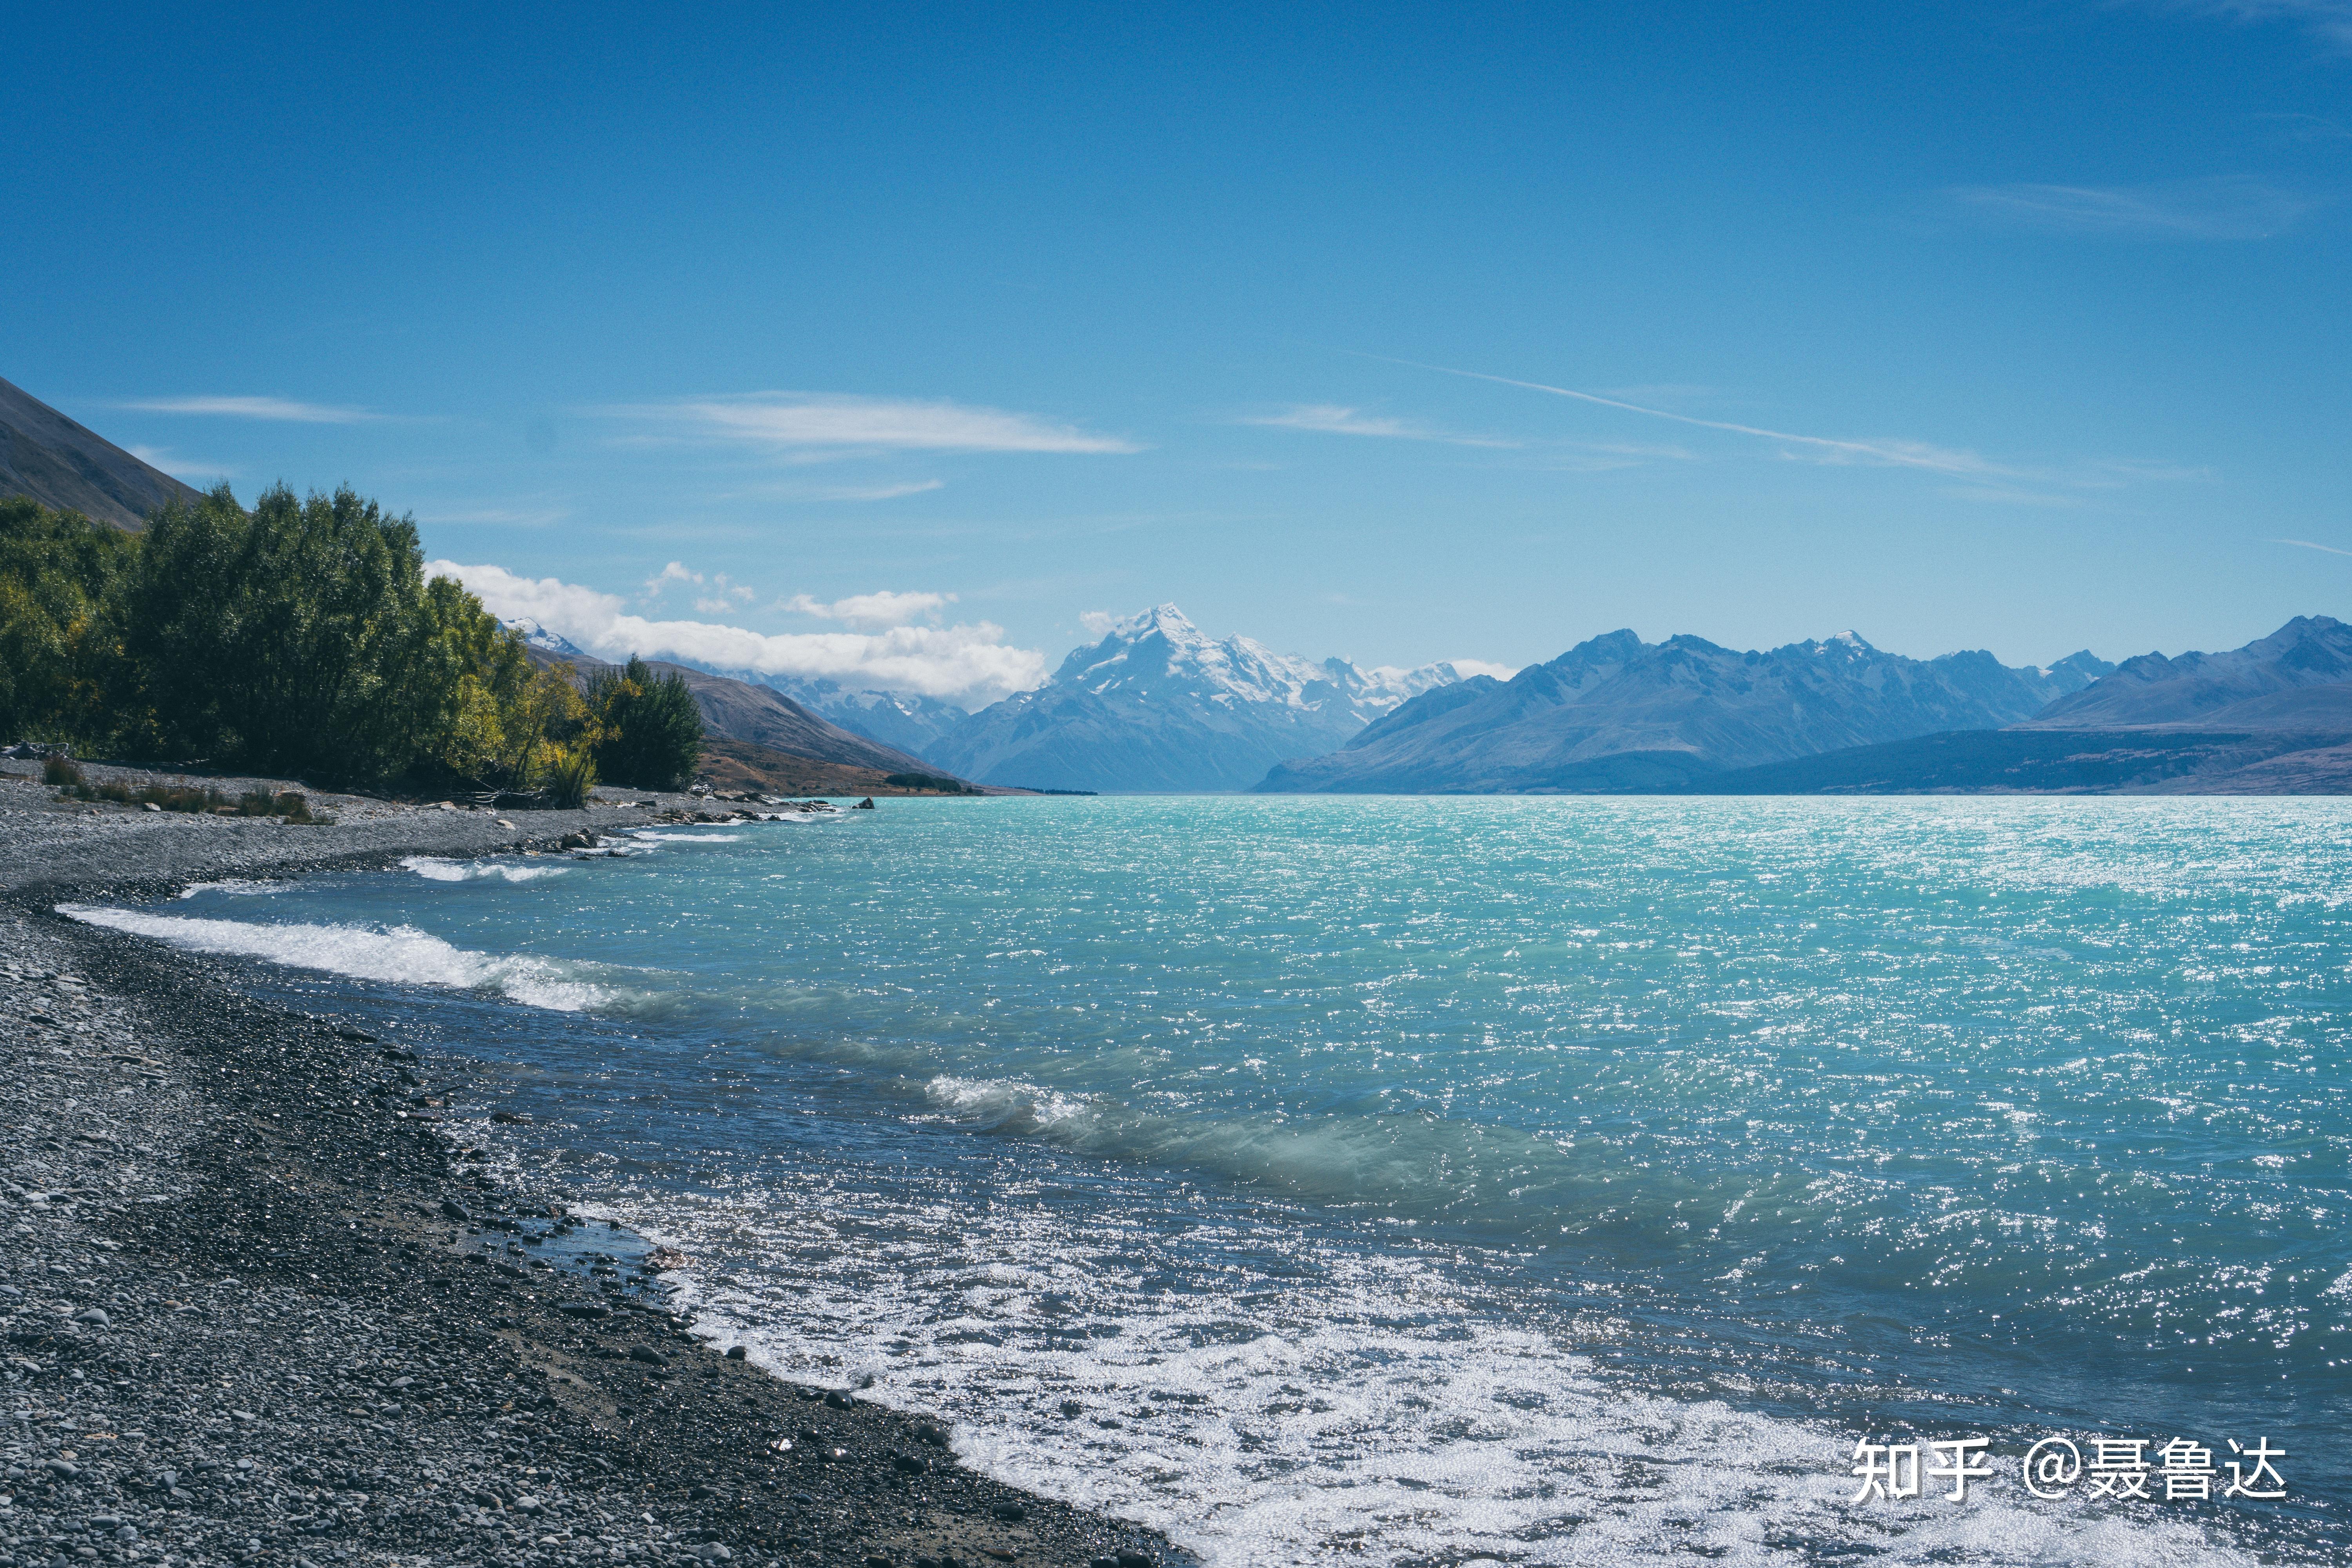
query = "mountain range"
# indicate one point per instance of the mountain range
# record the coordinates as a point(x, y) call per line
point(1158, 704)
point(2274, 717)
point(1616, 714)
point(1155, 704)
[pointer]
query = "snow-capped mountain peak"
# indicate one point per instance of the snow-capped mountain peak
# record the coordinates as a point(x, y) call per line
point(1157, 703)
point(539, 636)
point(1160, 653)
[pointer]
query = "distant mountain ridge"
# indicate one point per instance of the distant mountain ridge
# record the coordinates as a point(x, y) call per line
point(908, 720)
point(2290, 680)
point(69, 468)
point(2274, 717)
point(1158, 704)
point(1617, 714)
point(738, 711)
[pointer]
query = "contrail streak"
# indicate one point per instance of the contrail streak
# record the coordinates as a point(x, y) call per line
point(1906, 456)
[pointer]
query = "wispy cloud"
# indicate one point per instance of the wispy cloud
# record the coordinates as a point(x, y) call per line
point(279, 408)
point(2224, 207)
point(872, 492)
point(1661, 390)
point(1602, 457)
point(2303, 127)
point(2330, 21)
point(2012, 495)
point(2307, 545)
point(178, 466)
point(1332, 419)
point(882, 609)
point(840, 423)
point(970, 664)
point(498, 517)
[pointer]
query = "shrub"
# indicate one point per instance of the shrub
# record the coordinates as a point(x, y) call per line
point(60, 772)
point(571, 774)
point(931, 782)
point(180, 797)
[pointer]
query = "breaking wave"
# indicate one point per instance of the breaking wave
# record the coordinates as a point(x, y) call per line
point(434, 868)
point(236, 886)
point(399, 954)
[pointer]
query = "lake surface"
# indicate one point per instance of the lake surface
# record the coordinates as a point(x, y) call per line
point(1415, 1181)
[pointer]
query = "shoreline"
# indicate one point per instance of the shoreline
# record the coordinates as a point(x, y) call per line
point(261, 1309)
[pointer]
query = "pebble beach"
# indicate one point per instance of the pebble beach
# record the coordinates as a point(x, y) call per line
point(261, 1306)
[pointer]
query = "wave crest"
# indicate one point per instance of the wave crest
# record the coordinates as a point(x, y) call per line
point(434, 868)
point(398, 954)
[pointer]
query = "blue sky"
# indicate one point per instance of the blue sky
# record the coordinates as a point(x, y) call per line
point(913, 335)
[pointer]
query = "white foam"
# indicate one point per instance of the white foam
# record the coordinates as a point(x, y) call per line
point(650, 836)
point(402, 954)
point(1347, 1406)
point(434, 868)
point(1410, 1159)
point(236, 886)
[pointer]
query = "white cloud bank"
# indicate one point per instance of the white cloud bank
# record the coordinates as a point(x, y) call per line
point(882, 609)
point(967, 664)
point(798, 422)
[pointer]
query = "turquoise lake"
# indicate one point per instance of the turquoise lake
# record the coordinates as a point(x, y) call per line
point(1425, 1180)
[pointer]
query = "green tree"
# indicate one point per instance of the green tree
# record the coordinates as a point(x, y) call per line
point(647, 730)
point(60, 651)
point(545, 716)
point(302, 637)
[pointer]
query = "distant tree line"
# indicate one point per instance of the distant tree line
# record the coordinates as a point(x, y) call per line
point(303, 638)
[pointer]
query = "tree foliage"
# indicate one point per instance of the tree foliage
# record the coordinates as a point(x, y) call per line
point(301, 637)
point(647, 730)
point(58, 655)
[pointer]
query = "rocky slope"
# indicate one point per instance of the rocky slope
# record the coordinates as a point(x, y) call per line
point(1617, 714)
point(69, 468)
point(1157, 704)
